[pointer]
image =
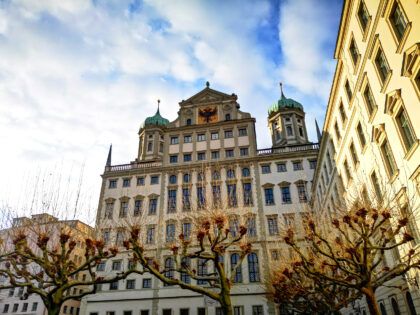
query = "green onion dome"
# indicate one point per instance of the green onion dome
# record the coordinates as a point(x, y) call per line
point(284, 102)
point(156, 120)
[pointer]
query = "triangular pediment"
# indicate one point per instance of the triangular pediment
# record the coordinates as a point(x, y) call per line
point(208, 95)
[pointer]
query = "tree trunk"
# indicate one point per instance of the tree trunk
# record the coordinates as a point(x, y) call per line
point(371, 301)
point(54, 310)
point(226, 304)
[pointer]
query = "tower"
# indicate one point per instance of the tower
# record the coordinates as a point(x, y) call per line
point(286, 120)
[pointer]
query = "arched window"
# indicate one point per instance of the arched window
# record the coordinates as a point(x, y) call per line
point(187, 178)
point(189, 122)
point(254, 275)
point(169, 268)
point(410, 303)
point(186, 263)
point(246, 172)
point(172, 179)
point(395, 307)
point(382, 307)
point(216, 175)
point(234, 260)
point(230, 173)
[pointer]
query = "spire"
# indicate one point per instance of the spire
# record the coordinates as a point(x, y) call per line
point(108, 160)
point(318, 133)
point(281, 89)
point(158, 107)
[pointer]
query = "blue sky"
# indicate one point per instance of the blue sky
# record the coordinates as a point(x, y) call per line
point(78, 75)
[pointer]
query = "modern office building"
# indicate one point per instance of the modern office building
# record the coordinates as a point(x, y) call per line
point(209, 152)
point(370, 136)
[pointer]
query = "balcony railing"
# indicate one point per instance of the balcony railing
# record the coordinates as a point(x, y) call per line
point(132, 166)
point(287, 149)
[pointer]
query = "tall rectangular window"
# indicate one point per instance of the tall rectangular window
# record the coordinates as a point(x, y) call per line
point(247, 190)
point(186, 230)
point(150, 235)
point(370, 102)
point(108, 210)
point(302, 193)
point(337, 132)
point(363, 15)
point(152, 206)
point(201, 197)
point(250, 224)
point(376, 185)
point(216, 195)
point(253, 269)
point(354, 52)
point(354, 156)
point(349, 92)
point(342, 113)
point(405, 129)
point(347, 170)
point(186, 199)
point(112, 183)
point(124, 209)
point(170, 232)
point(137, 207)
point(285, 192)
point(398, 21)
point(202, 270)
point(232, 200)
point(269, 196)
point(272, 225)
point(120, 238)
point(381, 65)
point(361, 136)
point(388, 157)
point(171, 200)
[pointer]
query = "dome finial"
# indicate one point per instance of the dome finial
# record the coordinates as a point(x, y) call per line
point(207, 84)
point(158, 105)
point(281, 89)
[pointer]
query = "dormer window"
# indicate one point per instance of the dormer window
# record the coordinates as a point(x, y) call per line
point(289, 130)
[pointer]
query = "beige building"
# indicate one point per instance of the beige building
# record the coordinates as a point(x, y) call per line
point(371, 132)
point(16, 301)
point(209, 152)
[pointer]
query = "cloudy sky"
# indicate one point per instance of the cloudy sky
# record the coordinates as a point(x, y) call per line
point(77, 75)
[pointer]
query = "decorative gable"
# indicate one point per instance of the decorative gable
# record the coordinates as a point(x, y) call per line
point(208, 96)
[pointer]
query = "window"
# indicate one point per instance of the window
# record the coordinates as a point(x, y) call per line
point(150, 146)
point(216, 175)
point(120, 238)
point(230, 173)
point(126, 182)
point(219, 311)
point(172, 179)
point(137, 207)
point(147, 283)
point(65, 309)
point(234, 260)
point(131, 284)
point(275, 254)
point(201, 156)
point(265, 169)
point(342, 113)
point(354, 156)
point(174, 140)
point(272, 225)
point(127, 313)
point(186, 230)
point(227, 117)
point(215, 155)
point(154, 180)
point(113, 285)
point(201, 197)
point(376, 186)
point(363, 15)
point(214, 135)
point(171, 200)
point(201, 311)
point(109, 210)
point(243, 132)
point(184, 311)
point(105, 238)
point(116, 265)
point(231, 190)
point(337, 132)
point(187, 157)
point(398, 21)
point(247, 190)
point(285, 192)
point(140, 181)
point(250, 224)
point(100, 267)
point(112, 184)
point(289, 130)
point(201, 177)
point(201, 137)
point(11, 292)
point(302, 193)
point(388, 157)
point(150, 235)
point(110, 313)
point(349, 92)
point(202, 270)
point(244, 151)
point(189, 122)
point(124, 209)
point(269, 196)
point(405, 129)
point(297, 166)
point(170, 232)
point(228, 134)
point(347, 170)
point(246, 172)
point(186, 199)
point(229, 153)
point(238, 310)
point(381, 65)
point(312, 164)
point(34, 306)
point(281, 167)
point(173, 159)
point(368, 97)
point(6, 308)
point(234, 228)
point(216, 195)
point(186, 264)
point(254, 275)
point(354, 53)
point(152, 206)
point(257, 310)
point(361, 136)
point(187, 139)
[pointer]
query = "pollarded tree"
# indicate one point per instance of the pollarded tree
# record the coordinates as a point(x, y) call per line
point(56, 264)
point(350, 250)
